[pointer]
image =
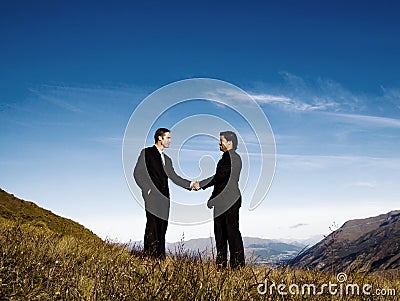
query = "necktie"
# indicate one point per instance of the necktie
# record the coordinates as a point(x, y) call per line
point(162, 158)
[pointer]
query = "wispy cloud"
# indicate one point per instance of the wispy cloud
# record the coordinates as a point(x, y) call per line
point(362, 184)
point(91, 100)
point(392, 96)
point(292, 104)
point(296, 94)
point(365, 120)
point(57, 101)
point(298, 226)
point(268, 98)
point(286, 102)
point(290, 161)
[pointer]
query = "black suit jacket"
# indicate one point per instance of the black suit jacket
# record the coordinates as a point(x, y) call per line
point(152, 177)
point(225, 181)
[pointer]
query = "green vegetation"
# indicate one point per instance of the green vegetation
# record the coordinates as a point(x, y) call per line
point(28, 213)
point(39, 263)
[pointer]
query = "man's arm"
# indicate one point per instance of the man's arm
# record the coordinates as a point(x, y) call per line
point(221, 175)
point(170, 171)
point(141, 174)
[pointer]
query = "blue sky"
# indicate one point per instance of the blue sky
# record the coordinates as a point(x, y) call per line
point(325, 74)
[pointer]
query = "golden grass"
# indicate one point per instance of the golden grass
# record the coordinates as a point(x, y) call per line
point(37, 264)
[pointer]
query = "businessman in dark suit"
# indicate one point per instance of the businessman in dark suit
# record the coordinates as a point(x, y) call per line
point(226, 200)
point(151, 173)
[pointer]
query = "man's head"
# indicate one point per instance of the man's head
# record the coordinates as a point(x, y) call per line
point(162, 137)
point(227, 141)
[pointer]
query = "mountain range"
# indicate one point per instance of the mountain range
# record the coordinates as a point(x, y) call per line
point(363, 245)
point(257, 250)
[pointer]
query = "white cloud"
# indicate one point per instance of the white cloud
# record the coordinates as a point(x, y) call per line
point(298, 225)
point(366, 120)
point(268, 98)
point(286, 103)
point(290, 161)
point(392, 95)
point(299, 96)
point(326, 95)
point(58, 102)
point(282, 101)
point(362, 184)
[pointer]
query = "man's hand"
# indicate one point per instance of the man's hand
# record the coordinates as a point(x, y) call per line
point(195, 185)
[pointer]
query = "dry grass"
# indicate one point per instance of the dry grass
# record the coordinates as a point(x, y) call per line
point(36, 264)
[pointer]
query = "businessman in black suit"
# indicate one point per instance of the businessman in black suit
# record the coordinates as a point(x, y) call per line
point(226, 200)
point(151, 173)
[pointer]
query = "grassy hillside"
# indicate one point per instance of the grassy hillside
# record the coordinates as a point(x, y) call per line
point(28, 213)
point(37, 263)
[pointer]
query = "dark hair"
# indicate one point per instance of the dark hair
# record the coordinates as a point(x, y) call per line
point(160, 132)
point(230, 136)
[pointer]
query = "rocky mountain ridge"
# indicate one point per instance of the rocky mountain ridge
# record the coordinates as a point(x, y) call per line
point(363, 245)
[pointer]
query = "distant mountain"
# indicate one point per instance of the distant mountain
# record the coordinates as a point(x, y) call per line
point(24, 212)
point(371, 244)
point(312, 240)
point(257, 249)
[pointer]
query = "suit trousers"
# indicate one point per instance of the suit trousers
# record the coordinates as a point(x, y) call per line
point(154, 236)
point(226, 231)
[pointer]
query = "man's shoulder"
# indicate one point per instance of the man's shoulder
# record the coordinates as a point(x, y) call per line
point(149, 149)
point(233, 154)
point(167, 158)
point(235, 157)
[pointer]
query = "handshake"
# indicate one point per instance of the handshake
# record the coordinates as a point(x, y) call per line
point(195, 185)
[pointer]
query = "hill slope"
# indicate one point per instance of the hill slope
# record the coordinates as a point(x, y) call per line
point(369, 245)
point(28, 213)
point(40, 264)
